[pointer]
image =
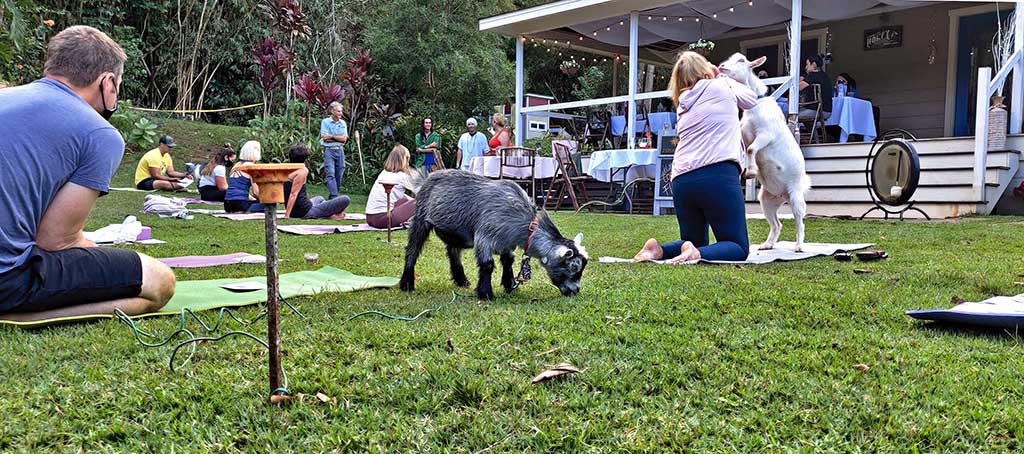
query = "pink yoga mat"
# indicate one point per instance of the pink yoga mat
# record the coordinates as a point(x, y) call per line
point(326, 229)
point(203, 261)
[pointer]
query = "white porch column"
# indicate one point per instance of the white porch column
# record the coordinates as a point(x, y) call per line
point(615, 76)
point(794, 56)
point(634, 27)
point(519, 118)
point(981, 133)
point(1016, 103)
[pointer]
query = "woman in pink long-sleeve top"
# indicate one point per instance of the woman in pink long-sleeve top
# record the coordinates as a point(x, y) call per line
point(706, 185)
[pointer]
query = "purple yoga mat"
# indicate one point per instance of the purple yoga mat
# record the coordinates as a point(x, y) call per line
point(200, 201)
point(326, 229)
point(202, 261)
point(247, 216)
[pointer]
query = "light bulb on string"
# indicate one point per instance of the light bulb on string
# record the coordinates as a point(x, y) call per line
point(731, 9)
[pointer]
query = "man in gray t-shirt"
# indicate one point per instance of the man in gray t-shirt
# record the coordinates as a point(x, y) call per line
point(59, 152)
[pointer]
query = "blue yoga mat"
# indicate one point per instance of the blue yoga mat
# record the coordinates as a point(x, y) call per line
point(997, 312)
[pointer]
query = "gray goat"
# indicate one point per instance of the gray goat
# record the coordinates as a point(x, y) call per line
point(493, 217)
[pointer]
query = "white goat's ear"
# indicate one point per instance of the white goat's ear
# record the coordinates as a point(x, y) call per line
point(579, 245)
point(562, 251)
point(760, 61)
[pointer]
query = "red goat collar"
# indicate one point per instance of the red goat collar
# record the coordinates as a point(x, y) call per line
point(529, 233)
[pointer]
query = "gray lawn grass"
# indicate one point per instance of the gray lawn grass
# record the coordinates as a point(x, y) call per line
point(715, 358)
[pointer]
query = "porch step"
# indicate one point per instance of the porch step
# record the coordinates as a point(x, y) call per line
point(955, 175)
point(944, 190)
point(931, 161)
point(856, 209)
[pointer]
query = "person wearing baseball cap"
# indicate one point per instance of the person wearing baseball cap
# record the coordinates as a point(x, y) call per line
point(156, 170)
point(471, 144)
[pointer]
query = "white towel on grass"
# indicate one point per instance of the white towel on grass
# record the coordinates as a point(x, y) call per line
point(783, 252)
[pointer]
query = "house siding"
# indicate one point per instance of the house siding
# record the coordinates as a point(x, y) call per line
point(909, 92)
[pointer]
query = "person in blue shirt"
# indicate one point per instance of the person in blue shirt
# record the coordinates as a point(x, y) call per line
point(333, 136)
point(58, 153)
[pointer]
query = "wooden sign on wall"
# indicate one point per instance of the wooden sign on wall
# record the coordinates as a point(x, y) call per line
point(883, 37)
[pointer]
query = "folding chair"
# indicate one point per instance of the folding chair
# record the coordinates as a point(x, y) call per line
point(519, 161)
point(567, 180)
point(809, 131)
point(599, 125)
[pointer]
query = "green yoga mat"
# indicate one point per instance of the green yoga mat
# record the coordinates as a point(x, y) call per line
point(205, 295)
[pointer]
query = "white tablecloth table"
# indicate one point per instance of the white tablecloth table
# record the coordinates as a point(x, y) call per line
point(489, 166)
point(642, 163)
point(852, 115)
point(659, 122)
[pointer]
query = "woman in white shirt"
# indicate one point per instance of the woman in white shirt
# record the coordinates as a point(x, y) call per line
point(213, 182)
point(403, 206)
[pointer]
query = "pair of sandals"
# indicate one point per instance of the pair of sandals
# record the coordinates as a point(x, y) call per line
point(864, 256)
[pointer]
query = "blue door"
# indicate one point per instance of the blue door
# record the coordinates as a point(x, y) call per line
point(974, 50)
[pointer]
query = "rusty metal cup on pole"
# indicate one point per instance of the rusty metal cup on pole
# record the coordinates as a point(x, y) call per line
point(270, 179)
point(387, 193)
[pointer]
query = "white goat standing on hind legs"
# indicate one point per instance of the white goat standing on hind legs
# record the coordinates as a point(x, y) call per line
point(773, 154)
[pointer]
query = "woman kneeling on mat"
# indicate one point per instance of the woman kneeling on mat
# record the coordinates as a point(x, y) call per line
point(396, 173)
point(706, 186)
point(240, 196)
point(298, 205)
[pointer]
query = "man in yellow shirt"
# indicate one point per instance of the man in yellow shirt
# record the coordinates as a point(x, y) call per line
point(155, 170)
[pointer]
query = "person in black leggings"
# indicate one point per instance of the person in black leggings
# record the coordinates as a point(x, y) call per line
point(213, 181)
point(298, 205)
point(706, 189)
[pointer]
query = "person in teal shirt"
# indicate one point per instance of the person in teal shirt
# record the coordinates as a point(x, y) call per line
point(333, 135)
point(428, 146)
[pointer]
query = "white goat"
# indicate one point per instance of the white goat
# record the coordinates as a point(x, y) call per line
point(773, 155)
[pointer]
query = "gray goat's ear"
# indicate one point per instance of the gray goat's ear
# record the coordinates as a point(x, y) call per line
point(578, 239)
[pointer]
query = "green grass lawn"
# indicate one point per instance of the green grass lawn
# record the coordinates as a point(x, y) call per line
point(708, 358)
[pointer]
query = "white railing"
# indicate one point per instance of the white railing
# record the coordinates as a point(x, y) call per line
point(988, 85)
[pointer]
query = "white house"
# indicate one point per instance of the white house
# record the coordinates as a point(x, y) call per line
point(919, 63)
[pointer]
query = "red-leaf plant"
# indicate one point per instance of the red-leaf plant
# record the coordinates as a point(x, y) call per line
point(273, 59)
point(312, 89)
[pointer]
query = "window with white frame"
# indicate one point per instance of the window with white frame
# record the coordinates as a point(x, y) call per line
point(773, 48)
point(538, 126)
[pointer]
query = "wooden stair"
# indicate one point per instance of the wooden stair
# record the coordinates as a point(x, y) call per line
point(839, 188)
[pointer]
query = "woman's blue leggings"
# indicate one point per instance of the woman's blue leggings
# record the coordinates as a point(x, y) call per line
point(710, 195)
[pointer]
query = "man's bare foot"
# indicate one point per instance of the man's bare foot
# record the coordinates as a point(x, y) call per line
point(651, 251)
point(688, 253)
point(338, 216)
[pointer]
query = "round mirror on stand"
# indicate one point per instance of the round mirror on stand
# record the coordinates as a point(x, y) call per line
point(893, 170)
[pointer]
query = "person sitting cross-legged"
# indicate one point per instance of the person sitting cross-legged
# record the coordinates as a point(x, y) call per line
point(395, 174)
point(156, 169)
point(213, 182)
point(59, 153)
point(240, 197)
point(298, 205)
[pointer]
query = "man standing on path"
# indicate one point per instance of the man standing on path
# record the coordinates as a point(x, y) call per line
point(156, 169)
point(58, 152)
point(333, 136)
